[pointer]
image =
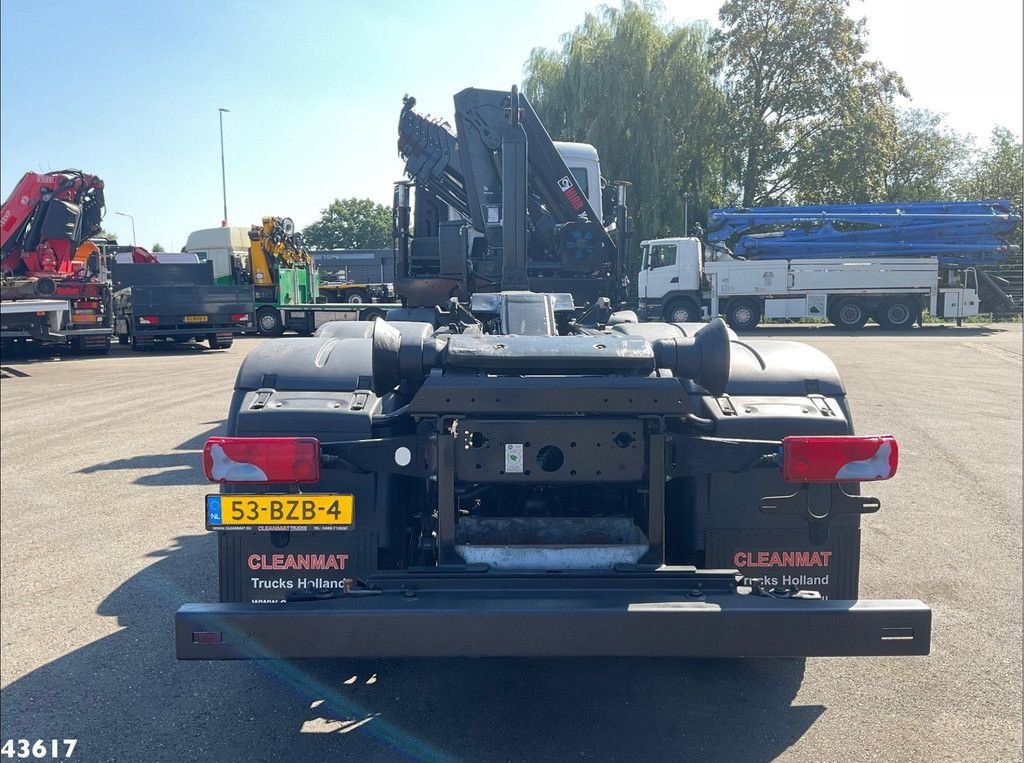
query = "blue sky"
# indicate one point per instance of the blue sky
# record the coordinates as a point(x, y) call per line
point(130, 91)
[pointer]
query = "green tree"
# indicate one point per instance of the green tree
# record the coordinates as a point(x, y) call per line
point(876, 153)
point(643, 93)
point(997, 173)
point(795, 74)
point(350, 224)
point(927, 158)
point(157, 248)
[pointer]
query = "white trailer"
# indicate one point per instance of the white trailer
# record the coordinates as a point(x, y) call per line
point(37, 319)
point(678, 283)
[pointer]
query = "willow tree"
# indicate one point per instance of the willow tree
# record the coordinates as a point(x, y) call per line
point(643, 93)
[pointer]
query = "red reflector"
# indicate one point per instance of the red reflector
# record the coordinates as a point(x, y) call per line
point(839, 459)
point(84, 304)
point(262, 459)
point(236, 317)
point(206, 637)
point(149, 320)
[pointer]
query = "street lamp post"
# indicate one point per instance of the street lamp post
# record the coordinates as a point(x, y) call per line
point(223, 174)
point(125, 214)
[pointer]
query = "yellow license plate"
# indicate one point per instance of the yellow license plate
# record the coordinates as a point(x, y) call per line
point(197, 318)
point(226, 511)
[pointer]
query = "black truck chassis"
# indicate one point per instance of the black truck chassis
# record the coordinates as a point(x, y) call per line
point(625, 423)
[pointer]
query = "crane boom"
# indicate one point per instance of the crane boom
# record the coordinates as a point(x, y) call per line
point(959, 234)
point(497, 207)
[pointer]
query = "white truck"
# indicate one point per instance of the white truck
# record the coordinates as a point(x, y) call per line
point(679, 281)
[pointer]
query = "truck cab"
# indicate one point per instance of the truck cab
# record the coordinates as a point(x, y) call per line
point(222, 247)
point(669, 282)
point(585, 166)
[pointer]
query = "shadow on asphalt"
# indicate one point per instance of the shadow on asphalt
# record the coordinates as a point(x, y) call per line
point(182, 466)
point(126, 697)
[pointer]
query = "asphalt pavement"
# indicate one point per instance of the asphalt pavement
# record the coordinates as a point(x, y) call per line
point(101, 539)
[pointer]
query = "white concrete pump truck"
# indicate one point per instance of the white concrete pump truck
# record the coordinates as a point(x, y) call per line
point(847, 263)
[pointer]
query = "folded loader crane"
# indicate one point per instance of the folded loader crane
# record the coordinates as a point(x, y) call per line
point(498, 208)
point(502, 474)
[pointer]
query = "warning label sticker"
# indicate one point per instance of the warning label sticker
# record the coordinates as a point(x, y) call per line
point(514, 458)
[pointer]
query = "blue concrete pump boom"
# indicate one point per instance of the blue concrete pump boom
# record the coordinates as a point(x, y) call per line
point(958, 234)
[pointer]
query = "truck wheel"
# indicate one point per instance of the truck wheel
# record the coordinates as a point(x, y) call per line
point(743, 314)
point(848, 314)
point(370, 313)
point(897, 314)
point(122, 339)
point(682, 310)
point(357, 297)
point(100, 349)
point(138, 345)
point(268, 321)
point(219, 344)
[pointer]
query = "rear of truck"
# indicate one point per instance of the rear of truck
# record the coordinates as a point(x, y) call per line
point(71, 313)
point(178, 302)
point(399, 489)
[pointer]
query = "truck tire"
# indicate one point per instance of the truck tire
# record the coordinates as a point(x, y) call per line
point(268, 321)
point(122, 339)
point(138, 344)
point(848, 314)
point(743, 314)
point(357, 297)
point(898, 314)
point(370, 313)
point(682, 310)
point(100, 349)
point(219, 344)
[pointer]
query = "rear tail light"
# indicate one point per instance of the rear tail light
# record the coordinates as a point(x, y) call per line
point(262, 459)
point(85, 318)
point(77, 290)
point(239, 317)
point(839, 459)
point(149, 320)
point(84, 304)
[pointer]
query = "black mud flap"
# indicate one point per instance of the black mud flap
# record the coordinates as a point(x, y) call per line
point(542, 620)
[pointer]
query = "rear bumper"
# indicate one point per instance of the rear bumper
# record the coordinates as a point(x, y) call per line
point(196, 329)
point(581, 623)
point(104, 331)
